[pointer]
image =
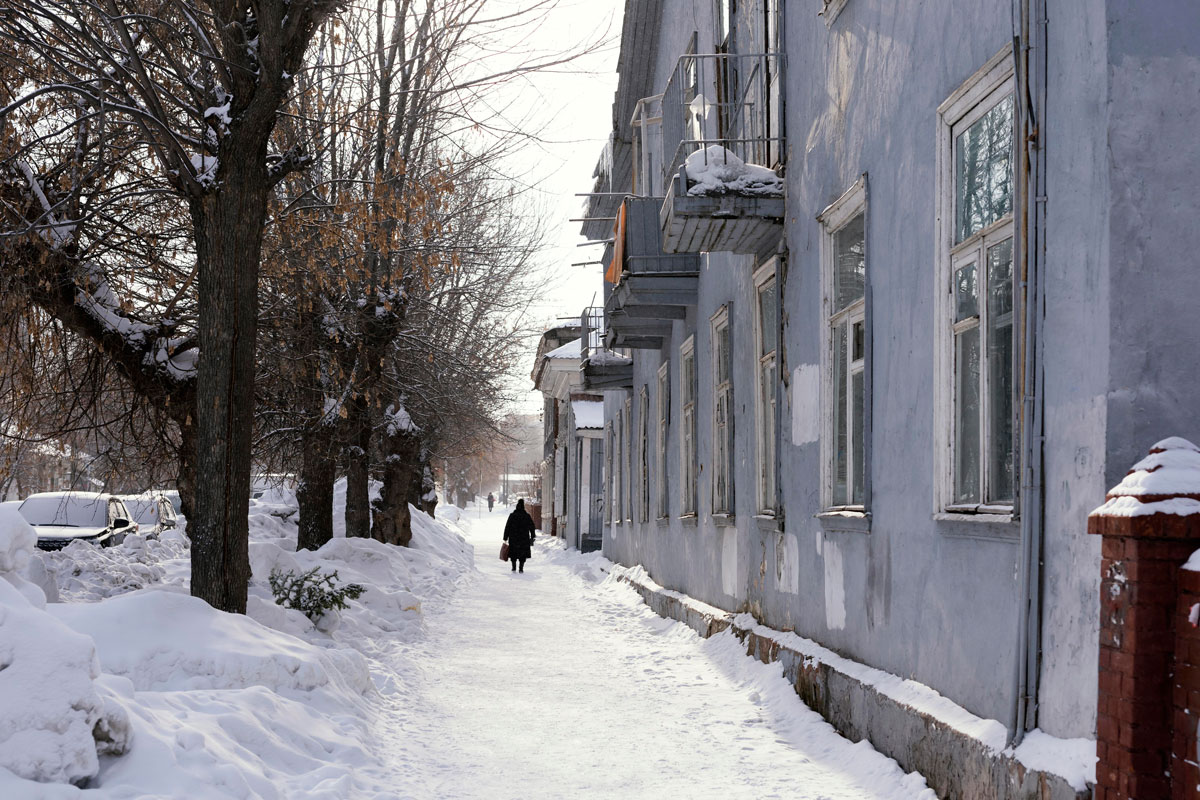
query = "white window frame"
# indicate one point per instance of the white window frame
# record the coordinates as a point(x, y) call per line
point(663, 397)
point(978, 95)
point(833, 219)
point(722, 395)
point(766, 412)
point(647, 133)
point(627, 500)
point(687, 431)
point(609, 449)
point(643, 455)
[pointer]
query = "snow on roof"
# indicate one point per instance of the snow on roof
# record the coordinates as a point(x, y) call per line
point(572, 349)
point(589, 414)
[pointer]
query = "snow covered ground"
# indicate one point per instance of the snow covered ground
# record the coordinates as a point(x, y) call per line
point(446, 679)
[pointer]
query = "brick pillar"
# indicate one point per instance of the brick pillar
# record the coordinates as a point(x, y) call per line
point(1185, 705)
point(1150, 525)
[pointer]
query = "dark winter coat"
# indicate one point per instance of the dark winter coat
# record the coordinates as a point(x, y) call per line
point(518, 532)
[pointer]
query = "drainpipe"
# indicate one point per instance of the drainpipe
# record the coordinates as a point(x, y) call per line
point(1030, 52)
point(781, 272)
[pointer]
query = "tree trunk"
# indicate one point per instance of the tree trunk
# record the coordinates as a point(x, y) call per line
point(421, 490)
point(358, 472)
point(229, 226)
point(401, 470)
point(318, 470)
point(186, 481)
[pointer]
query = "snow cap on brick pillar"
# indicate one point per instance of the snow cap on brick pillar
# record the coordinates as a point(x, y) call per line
point(1151, 525)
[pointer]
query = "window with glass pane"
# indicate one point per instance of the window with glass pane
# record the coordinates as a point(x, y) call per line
point(608, 467)
point(847, 360)
point(981, 292)
point(643, 498)
point(627, 467)
point(722, 419)
point(618, 471)
point(768, 336)
point(983, 170)
point(687, 434)
point(664, 410)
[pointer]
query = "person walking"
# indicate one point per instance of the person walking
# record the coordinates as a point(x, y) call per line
point(519, 533)
point(491, 500)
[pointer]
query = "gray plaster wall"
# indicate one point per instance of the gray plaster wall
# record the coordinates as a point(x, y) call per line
point(1075, 356)
point(935, 600)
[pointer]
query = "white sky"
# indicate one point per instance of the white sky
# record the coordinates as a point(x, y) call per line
point(571, 110)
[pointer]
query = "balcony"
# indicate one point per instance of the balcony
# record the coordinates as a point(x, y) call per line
point(649, 287)
point(601, 369)
point(723, 150)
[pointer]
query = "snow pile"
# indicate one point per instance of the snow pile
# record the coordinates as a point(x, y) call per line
point(715, 170)
point(86, 573)
point(261, 705)
point(763, 702)
point(56, 720)
point(1073, 759)
point(607, 358)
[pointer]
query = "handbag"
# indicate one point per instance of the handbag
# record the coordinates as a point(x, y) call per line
point(504, 552)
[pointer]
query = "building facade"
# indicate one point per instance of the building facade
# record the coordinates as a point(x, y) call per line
point(572, 476)
point(894, 292)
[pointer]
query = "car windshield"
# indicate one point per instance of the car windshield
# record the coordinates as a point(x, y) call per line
point(144, 511)
point(70, 510)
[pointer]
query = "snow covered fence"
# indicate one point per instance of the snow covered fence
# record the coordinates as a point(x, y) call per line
point(1149, 684)
point(960, 755)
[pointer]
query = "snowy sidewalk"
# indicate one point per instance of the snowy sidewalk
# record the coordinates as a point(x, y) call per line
point(557, 683)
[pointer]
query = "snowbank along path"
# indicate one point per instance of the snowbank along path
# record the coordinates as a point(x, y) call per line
point(559, 682)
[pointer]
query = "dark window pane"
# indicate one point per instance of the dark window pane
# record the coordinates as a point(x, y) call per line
point(767, 302)
point(966, 410)
point(983, 171)
point(849, 263)
point(856, 449)
point(1000, 373)
point(841, 495)
point(966, 293)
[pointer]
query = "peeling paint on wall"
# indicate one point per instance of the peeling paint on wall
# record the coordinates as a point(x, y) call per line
point(787, 563)
point(835, 588)
point(806, 404)
point(729, 570)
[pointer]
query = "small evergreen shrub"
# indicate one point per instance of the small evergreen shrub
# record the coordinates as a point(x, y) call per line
point(310, 592)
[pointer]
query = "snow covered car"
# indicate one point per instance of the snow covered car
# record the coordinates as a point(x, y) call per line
point(152, 511)
point(60, 518)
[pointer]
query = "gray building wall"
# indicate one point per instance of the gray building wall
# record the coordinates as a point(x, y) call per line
point(935, 600)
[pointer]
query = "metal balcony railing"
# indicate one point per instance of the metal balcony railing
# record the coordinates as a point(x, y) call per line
point(591, 340)
point(725, 99)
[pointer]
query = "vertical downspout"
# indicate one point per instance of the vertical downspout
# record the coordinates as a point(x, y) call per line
point(1031, 101)
point(783, 267)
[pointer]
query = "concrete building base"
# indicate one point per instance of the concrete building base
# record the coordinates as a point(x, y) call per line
point(954, 763)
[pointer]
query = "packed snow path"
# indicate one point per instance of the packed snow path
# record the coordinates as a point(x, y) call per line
point(556, 684)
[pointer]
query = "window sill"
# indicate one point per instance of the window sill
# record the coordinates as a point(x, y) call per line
point(724, 520)
point(988, 527)
point(768, 523)
point(663, 521)
point(848, 521)
point(689, 520)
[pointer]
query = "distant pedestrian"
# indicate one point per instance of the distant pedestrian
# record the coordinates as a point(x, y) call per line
point(518, 532)
point(491, 500)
